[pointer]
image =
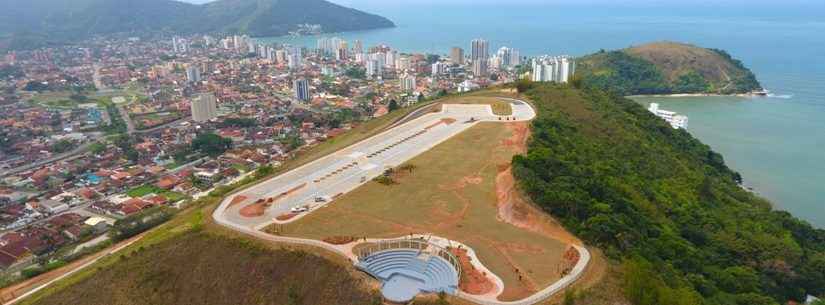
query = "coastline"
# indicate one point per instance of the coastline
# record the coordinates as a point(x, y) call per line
point(695, 95)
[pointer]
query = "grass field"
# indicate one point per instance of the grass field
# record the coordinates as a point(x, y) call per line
point(144, 190)
point(241, 272)
point(451, 192)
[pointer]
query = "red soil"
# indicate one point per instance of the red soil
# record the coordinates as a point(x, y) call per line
point(238, 199)
point(472, 280)
point(339, 240)
point(259, 207)
point(446, 121)
point(253, 210)
point(287, 216)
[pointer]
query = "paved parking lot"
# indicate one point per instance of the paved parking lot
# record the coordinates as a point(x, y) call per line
point(345, 170)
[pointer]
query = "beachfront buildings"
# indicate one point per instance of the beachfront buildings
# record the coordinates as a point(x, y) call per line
point(204, 107)
point(480, 56)
point(675, 120)
point(557, 69)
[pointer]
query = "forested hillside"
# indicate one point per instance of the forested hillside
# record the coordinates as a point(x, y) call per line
point(666, 68)
point(663, 203)
point(34, 23)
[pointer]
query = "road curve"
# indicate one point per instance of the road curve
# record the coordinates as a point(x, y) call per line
point(350, 167)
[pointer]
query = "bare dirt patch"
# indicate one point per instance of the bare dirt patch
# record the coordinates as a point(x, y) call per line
point(286, 216)
point(254, 210)
point(473, 281)
point(339, 240)
point(238, 199)
point(259, 207)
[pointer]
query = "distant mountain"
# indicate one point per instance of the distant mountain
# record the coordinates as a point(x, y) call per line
point(665, 68)
point(29, 23)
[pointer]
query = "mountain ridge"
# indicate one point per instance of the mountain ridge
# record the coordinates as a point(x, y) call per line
point(35, 23)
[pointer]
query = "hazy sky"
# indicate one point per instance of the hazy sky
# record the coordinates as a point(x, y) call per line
point(384, 3)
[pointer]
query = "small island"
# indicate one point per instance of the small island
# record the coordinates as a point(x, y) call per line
point(668, 68)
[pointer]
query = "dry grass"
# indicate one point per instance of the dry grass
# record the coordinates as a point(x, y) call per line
point(200, 268)
point(450, 193)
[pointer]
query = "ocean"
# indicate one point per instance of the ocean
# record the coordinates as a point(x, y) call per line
point(777, 143)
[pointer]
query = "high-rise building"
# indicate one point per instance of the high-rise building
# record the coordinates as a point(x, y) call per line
point(557, 69)
point(481, 50)
point(457, 55)
point(480, 68)
point(179, 45)
point(280, 56)
point(375, 68)
point(193, 74)
point(358, 47)
point(439, 68)
point(204, 107)
point(508, 57)
point(389, 61)
point(342, 52)
point(295, 59)
point(408, 83)
point(301, 87)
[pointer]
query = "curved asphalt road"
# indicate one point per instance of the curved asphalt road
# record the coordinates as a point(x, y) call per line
point(347, 169)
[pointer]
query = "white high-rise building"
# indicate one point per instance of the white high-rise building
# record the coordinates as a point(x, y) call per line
point(295, 59)
point(358, 47)
point(375, 68)
point(204, 107)
point(389, 61)
point(403, 63)
point(408, 83)
point(439, 68)
point(507, 58)
point(557, 69)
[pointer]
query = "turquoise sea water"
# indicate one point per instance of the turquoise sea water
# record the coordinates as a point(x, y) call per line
point(777, 143)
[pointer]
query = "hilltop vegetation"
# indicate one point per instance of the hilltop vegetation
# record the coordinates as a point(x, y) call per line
point(202, 268)
point(666, 68)
point(34, 23)
point(665, 204)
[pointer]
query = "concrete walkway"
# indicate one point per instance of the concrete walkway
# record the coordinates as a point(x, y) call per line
point(349, 168)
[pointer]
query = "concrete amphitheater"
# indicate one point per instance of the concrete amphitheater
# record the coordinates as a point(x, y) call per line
point(408, 268)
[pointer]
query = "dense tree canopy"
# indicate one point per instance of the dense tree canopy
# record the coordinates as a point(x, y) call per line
point(667, 204)
point(211, 144)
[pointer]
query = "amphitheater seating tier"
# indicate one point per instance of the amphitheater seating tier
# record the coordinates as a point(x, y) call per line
point(432, 274)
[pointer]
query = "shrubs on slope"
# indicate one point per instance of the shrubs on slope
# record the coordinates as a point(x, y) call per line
point(664, 203)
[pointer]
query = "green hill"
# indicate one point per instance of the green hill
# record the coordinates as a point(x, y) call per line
point(33, 23)
point(665, 204)
point(201, 268)
point(666, 68)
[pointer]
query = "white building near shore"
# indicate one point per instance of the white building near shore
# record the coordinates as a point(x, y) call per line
point(675, 120)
